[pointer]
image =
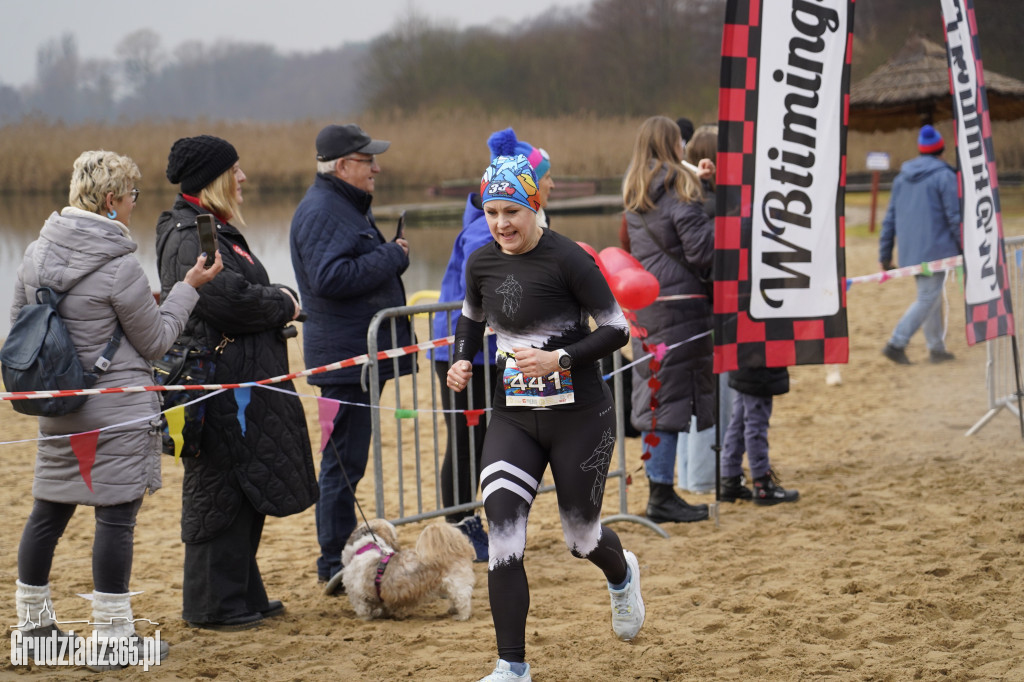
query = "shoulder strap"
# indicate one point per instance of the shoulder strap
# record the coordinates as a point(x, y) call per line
point(102, 363)
point(48, 296)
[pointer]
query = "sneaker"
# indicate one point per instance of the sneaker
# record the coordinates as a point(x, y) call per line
point(503, 671)
point(897, 355)
point(937, 356)
point(30, 637)
point(473, 528)
point(733, 489)
point(627, 604)
point(767, 491)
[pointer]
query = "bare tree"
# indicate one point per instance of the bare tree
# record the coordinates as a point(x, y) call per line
point(57, 69)
point(141, 56)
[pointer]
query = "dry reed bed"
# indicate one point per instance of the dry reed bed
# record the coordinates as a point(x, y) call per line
point(426, 149)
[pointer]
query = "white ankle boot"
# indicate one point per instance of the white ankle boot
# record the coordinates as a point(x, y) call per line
point(112, 620)
point(35, 610)
point(36, 616)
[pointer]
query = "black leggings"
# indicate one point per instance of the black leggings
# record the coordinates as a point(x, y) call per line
point(578, 444)
point(458, 431)
point(112, 546)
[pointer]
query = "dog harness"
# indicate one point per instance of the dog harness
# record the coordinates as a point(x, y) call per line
point(382, 564)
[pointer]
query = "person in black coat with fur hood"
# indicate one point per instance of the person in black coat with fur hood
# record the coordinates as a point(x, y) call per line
point(241, 475)
point(753, 389)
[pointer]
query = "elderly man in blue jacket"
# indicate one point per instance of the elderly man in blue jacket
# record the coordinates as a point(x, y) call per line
point(346, 272)
point(924, 218)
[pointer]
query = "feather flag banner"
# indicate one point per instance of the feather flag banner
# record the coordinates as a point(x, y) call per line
point(780, 271)
point(989, 309)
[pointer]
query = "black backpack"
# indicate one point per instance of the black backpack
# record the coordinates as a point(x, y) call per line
point(39, 355)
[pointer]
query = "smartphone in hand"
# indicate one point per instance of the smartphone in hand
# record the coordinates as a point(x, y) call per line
point(207, 227)
point(400, 232)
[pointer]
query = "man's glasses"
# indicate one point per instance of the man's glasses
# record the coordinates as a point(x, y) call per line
point(372, 160)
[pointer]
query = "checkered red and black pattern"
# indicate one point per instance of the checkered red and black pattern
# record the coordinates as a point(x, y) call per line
point(994, 318)
point(741, 341)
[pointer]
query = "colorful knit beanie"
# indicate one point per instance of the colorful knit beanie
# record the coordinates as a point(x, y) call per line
point(510, 178)
point(505, 143)
point(929, 141)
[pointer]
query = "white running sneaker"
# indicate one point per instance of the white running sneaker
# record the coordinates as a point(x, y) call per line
point(503, 671)
point(627, 604)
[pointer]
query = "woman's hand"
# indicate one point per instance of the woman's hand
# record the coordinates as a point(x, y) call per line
point(298, 308)
point(200, 274)
point(459, 375)
point(705, 169)
point(534, 362)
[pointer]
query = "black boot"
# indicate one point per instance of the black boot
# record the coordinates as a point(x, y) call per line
point(732, 489)
point(767, 491)
point(665, 506)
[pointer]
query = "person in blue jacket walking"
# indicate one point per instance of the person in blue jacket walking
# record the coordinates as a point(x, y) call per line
point(923, 218)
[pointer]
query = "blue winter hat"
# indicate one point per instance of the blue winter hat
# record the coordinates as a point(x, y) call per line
point(929, 141)
point(510, 178)
point(505, 143)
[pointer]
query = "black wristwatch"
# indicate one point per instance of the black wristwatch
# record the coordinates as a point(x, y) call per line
point(564, 359)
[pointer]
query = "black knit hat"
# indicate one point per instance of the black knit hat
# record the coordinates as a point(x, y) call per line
point(685, 128)
point(195, 162)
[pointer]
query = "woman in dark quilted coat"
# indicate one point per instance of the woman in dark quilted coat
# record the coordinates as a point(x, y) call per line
point(674, 240)
point(240, 476)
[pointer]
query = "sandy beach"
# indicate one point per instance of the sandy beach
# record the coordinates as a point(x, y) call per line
point(901, 561)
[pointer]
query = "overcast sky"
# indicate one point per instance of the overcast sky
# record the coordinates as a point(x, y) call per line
point(289, 25)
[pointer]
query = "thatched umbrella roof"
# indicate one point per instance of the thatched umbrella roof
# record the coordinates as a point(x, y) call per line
point(912, 89)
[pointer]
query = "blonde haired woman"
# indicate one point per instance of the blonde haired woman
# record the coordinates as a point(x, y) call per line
point(673, 239)
point(86, 256)
point(240, 475)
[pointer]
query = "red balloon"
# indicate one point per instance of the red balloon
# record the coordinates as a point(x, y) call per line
point(634, 288)
point(589, 249)
point(597, 259)
point(616, 259)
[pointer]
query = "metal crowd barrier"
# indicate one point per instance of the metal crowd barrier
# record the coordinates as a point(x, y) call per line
point(1000, 368)
point(425, 413)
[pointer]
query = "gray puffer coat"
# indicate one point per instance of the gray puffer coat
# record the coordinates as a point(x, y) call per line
point(90, 258)
point(686, 376)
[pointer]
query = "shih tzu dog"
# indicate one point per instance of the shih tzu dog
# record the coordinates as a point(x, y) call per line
point(383, 580)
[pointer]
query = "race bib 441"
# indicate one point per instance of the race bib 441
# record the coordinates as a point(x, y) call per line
point(544, 391)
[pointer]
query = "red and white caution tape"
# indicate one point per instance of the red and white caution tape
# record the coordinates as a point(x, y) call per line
point(940, 265)
point(392, 353)
point(350, 362)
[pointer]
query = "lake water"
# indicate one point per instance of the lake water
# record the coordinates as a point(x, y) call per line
point(266, 230)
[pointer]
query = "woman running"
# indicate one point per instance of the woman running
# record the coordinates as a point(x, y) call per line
point(537, 289)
